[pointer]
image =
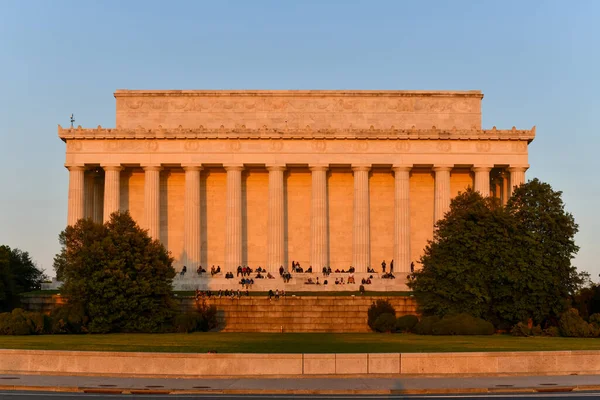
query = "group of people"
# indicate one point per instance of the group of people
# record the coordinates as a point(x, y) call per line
point(207, 294)
point(276, 294)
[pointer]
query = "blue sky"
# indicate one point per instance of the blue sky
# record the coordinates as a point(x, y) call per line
point(535, 61)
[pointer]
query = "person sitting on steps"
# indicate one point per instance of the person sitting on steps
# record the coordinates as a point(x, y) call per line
point(183, 271)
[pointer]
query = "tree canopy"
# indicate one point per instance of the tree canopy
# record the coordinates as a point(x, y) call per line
point(503, 264)
point(117, 274)
point(18, 274)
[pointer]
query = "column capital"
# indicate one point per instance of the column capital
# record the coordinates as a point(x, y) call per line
point(75, 167)
point(112, 167)
point(401, 168)
point(482, 168)
point(233, 167)
point(442, 168)
point(192, 167)
point(152, 167)
point(276, 167)
point(318, 167)
point(361, 167)
point(518, 168)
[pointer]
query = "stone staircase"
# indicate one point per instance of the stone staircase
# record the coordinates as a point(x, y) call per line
point(299, 313)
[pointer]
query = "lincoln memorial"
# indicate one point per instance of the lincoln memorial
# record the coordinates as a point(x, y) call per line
point(260, 178)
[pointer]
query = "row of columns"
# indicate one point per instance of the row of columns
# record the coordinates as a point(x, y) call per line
point(319, 244)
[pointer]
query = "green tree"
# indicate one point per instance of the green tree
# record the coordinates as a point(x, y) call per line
point(500, 263)
point(549, 246)
point(117, 274)
point(18, 274)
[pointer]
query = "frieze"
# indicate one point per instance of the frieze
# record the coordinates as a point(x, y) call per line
point(265, 132)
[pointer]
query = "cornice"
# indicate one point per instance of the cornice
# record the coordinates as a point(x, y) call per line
point(307, 133)
point(298, 93)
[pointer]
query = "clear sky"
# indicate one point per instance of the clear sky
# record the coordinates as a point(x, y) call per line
point(537, 62)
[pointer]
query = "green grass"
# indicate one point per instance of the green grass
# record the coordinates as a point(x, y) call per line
point(293, 343)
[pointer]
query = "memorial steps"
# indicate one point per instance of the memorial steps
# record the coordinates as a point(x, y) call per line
point(299, 313)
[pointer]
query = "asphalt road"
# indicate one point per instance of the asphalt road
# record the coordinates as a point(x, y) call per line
point(16, 395)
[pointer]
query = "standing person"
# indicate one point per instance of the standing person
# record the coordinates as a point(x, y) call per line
point(392, 267)
point(412, 267)
point(383, 266)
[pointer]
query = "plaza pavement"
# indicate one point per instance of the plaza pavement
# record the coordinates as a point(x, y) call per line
point(322, 385)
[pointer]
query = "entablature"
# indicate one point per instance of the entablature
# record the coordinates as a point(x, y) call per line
point(241, 132)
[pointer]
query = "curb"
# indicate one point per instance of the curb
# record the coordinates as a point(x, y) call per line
point(78, 389)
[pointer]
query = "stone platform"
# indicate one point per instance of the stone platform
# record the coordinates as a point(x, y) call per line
point(192, 281)
point(299, 313)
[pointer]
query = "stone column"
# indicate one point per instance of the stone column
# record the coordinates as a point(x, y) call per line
point(76, 194)
point(233, 218)
point(191, 214)
point(112, 190)
point(442, 191)
point(276, 222)
point(482, 179)
point(402, 219)
point(90, 185)
point(517, 177)
point(319, 225)
point(361, 243)
point(152, 200)
point(98, 198)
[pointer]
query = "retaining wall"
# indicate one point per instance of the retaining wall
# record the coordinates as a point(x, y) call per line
point(204, 365)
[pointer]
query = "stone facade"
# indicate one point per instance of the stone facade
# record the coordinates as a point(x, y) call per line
point(262, 178)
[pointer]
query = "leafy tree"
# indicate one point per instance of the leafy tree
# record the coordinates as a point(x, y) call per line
point(500, 263)
point(117, 274)
point(18, 274)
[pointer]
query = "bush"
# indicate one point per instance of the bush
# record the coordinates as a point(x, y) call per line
point(378, 308)
point(552, 331)
point(208, 315)
point(572, 325)
point(406, 323)
point(537, 331)
point(187, 322)
point(20, 322)
point(462, 324)
point(425, 325)
point(520, 329)
point(386, 322)
point(68, 319)
point(595, 319)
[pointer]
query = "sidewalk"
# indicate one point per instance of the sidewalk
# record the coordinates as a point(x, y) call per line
point(334, 385)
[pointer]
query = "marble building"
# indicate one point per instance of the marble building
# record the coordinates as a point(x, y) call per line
point(261, 178)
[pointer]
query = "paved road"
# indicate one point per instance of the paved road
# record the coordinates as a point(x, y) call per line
point(83, 396)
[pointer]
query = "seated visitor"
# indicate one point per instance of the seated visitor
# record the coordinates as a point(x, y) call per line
point(328, 270)
point(281, 270)
point(183, 271)
point(361, 289)
point(270, 276)
point(259, 276)
point(351, 269)
point(213, 271)
point(243, 281)
point(309, 281)
point(363, 281)
point(298, 268)
point(219, 270)
point(318, 283)
point(239, 270)
point(337, 271)
point(368, 281)
point(220, 293)
point(276, 293)
point(337, 281)
point(343, 272)
point(270, 293)
point(325, 282)
point(309, 270)
point(324, 271)
point(247, 292)
point(293, 266)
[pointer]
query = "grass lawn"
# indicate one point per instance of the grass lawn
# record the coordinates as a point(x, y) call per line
point(293, 343)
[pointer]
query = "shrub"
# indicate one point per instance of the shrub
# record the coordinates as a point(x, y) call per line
point(376, 309)
point(386, 322)
point(520, 329)
point(425, 325)
point(572, 325)
point(462, 324)
point(187, 322)
point(68, 319)
point(208, 315)
point(406, 323)
point(552, 331)
point(595, 319)
point(537, 331)
point(20, 322)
